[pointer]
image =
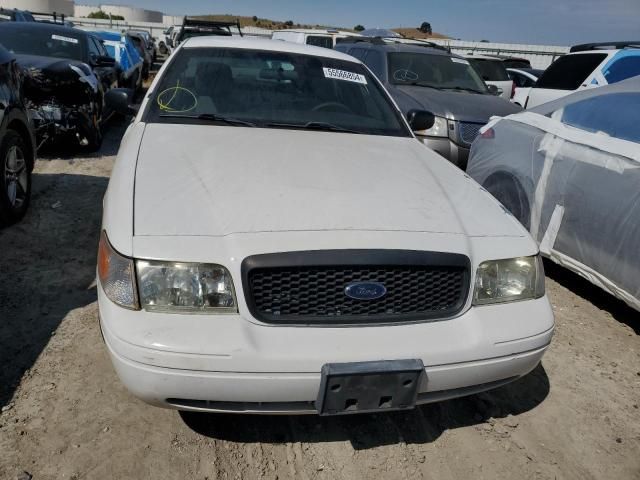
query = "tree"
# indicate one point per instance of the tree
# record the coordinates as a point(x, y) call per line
point(358, 28)
point(426, 28)
point(100, 15)
point(255, 19)
point(289, 23)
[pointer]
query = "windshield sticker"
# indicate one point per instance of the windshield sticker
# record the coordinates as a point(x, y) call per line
point(404, 75)
point(459, 60)
point(64, 39)
point(344, 75)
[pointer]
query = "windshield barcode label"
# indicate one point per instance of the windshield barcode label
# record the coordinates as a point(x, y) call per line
point(64, 39)
point(344, 75)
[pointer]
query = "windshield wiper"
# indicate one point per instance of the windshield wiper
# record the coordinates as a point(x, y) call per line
point(211, 117)
point(464, 89)
point(422, 84)
point(327, 127)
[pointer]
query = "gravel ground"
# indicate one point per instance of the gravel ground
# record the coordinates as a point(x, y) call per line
point(65, 414)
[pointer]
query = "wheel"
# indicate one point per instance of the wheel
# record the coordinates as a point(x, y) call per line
point(15, 178)
point(508, 191)
point(163, 48)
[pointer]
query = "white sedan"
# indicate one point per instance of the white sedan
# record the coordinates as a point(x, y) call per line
point(275, 239)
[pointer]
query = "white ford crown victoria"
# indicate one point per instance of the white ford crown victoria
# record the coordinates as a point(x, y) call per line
point(275, 239)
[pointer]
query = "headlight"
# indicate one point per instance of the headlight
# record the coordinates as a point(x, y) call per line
point(439, 129)
point(509, 280)
point(185, 287)
point(116, 275)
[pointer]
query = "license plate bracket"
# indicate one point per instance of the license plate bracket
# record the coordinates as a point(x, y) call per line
point(362, 387)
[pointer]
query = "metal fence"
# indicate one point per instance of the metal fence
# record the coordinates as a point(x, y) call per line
point(540, 56)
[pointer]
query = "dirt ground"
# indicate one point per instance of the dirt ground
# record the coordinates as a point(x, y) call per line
point(65, 415)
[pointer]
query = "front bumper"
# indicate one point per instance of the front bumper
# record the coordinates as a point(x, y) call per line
point(456, 154)
point(226, 363)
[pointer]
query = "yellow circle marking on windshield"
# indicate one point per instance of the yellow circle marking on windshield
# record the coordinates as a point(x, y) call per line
point(173, 91)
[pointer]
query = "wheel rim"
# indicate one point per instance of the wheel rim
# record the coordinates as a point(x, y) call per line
point(16, 176)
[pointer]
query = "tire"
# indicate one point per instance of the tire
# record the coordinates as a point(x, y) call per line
point(15, 178)
point(508, 191)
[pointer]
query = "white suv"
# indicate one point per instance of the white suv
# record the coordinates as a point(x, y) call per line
point(275, 239)
point(586, 66)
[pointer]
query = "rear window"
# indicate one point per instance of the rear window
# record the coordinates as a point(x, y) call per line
point(490, 70)
point(570, 71)
point(320, 41)
point(614, 114)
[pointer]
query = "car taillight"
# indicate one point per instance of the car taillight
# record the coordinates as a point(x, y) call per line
point(489, 133)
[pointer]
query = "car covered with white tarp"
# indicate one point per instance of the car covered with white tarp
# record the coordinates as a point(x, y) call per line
point(569, 171)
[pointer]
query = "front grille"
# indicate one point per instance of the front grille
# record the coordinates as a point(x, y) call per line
point(309, 287)
point(469, 132)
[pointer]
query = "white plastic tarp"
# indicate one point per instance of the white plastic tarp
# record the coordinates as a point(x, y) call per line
point(570, 171)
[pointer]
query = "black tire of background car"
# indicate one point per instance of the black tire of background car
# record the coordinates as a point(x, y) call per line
point(508, 190)
point(93, 134)
point(10, 214)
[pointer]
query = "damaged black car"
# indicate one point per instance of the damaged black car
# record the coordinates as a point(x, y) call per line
point(17, 143)
point(67, 73)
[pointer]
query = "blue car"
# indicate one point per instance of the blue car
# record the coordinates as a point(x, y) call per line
point(121, 47)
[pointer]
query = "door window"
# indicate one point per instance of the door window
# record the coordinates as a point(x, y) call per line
point(625, 65)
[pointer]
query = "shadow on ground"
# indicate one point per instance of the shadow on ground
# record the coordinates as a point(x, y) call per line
point(422, 425)
point(595, 295)
point(47, 268)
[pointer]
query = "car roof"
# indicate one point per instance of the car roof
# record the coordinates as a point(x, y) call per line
point(314, 31)
point(217, 41)
point(390, 45)
point(483, 57)
point(51, 27)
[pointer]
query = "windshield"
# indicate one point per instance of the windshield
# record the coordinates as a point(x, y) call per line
point(490, 70)
point(42, 42)
point(437, 71)
point(272, 90)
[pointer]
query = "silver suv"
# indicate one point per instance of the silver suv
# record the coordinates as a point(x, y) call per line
point(422, 75)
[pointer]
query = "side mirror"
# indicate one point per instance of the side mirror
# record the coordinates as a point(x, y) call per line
point(493, 90)
point(119, 100)
point(104, 61)
point(420, 120)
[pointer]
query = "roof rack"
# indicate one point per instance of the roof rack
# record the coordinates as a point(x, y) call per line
point(604, 46)
point(51, 17)
point(398, 41)
point(213, 24)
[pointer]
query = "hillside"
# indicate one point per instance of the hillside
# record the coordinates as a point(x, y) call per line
point(415, 33)
point(263, 22)
point(283, 24)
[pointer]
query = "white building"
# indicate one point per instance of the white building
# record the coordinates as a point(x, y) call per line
point(63, 7)
point(132, 14)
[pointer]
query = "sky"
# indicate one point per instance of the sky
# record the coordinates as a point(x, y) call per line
point(541, 22)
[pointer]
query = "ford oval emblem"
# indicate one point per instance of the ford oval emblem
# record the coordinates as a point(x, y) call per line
point(365, 290)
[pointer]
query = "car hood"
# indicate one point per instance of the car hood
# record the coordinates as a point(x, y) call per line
point(204, 180)
point(64, 78)
point(455, 105)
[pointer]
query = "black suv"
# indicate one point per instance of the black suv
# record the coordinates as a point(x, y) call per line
point(68, 71)
point(424, 76)
point(17, 143)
